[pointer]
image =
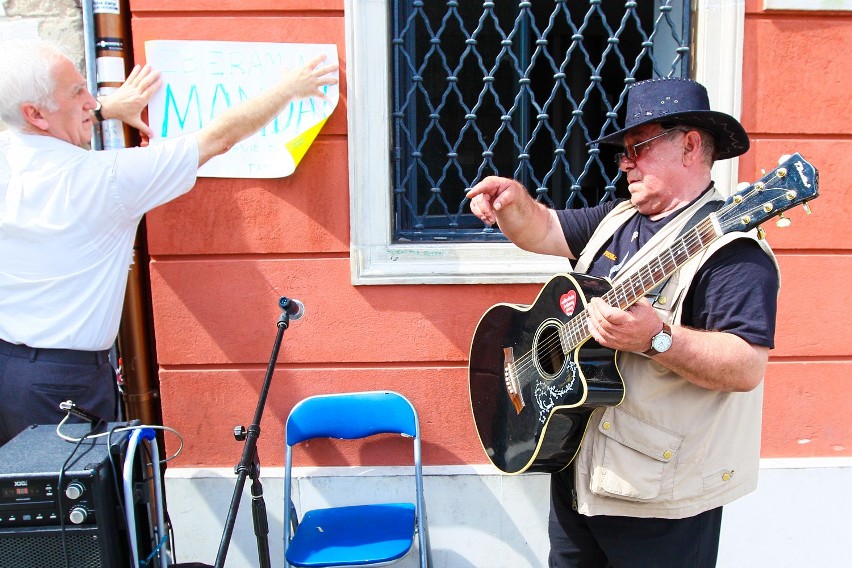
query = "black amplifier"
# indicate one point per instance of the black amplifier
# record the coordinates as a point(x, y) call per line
point(59, 501)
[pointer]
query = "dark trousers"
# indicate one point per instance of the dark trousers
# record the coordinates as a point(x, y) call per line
point(34, 381)
point(579, 541)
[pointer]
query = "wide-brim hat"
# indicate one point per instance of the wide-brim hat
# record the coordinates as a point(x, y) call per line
point(680, 101)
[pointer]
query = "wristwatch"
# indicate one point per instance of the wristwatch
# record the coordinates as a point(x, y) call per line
point(97, 111)
point(661, 342)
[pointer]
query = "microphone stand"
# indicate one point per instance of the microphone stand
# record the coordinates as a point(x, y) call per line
point(249, 465)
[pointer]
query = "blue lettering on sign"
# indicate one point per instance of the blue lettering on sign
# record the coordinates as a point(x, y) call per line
point(196, 108)
point(172, 103)
point(220, 89)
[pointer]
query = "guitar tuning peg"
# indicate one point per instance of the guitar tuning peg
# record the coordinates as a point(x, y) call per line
point(784, 158)
point(783, 221)
point(762, 172)
point(761, 234)
point(807, 208)
point(743, 185)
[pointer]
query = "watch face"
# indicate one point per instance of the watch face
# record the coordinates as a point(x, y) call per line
point(662, 341)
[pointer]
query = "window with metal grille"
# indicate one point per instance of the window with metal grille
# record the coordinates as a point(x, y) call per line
point(515, 89)
point(459, 250)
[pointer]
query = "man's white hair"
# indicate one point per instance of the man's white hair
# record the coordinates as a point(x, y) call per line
point(26, 76)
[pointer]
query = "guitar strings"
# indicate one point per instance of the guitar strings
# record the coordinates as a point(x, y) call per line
point(578, 326)
point(579, 322)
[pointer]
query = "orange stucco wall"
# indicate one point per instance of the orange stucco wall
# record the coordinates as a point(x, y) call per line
point(796, 98)
point(224, 254)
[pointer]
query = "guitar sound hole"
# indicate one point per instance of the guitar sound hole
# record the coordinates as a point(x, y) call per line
point(548, 351)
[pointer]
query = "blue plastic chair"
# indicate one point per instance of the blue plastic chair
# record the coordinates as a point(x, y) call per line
point(362, 535)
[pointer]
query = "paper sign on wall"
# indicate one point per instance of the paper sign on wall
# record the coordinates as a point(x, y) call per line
point(201, 79)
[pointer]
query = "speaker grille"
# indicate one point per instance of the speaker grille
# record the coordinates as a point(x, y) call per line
point(43, 548)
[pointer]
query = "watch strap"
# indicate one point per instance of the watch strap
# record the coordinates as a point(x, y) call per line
point(667, 330)
point(97, 112)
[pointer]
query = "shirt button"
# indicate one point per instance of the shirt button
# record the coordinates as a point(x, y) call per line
point(662, 300)
point(607, 425)
point(668, 454)
point(726, 477)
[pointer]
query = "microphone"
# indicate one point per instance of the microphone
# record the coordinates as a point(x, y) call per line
point(69, 406)
point(293, 307)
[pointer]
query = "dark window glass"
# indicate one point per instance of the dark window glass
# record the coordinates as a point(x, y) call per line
point(516, 89)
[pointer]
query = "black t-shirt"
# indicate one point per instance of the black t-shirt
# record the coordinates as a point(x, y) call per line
point(736, 289)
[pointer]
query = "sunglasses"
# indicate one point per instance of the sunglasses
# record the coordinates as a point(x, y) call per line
point(632, 151)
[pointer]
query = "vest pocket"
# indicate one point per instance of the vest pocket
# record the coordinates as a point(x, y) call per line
point(630, 456)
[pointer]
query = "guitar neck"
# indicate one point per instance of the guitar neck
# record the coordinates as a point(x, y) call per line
point(646, 278)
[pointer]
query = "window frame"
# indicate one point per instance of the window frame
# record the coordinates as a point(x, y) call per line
point(375, 259)
point(829, 5)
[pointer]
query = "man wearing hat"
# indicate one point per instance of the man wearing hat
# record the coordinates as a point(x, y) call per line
point(653, 473)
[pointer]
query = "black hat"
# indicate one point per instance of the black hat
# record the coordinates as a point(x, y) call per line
point(680, 101)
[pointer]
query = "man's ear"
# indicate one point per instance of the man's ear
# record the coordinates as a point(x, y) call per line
point(691, 147)
point(33, 116)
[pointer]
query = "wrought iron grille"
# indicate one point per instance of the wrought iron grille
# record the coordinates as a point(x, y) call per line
point(516, 89)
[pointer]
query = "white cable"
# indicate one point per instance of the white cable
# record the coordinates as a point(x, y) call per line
point(123, 429)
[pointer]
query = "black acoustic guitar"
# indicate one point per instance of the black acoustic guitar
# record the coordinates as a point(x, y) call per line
point(535, 372)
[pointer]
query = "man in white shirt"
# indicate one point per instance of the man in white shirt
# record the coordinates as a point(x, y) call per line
point(68, 219)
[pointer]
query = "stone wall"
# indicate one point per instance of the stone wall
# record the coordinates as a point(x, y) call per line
point(60, 21)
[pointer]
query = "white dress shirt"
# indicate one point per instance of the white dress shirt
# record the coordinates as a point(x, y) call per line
point(68, 220)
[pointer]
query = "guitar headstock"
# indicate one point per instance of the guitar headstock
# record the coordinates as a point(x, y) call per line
point(794, 182)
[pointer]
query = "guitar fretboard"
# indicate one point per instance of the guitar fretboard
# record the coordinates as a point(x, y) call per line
point(644, 279)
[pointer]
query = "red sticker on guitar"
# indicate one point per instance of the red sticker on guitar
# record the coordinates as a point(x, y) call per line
point(568, 302)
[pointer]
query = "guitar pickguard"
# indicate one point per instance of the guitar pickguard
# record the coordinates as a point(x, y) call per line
point(548, 394)
point(556, 375)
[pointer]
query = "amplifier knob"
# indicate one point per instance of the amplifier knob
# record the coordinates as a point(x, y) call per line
point(74, 490)
point(78, 515)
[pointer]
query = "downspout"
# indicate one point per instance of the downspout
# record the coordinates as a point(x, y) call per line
point(108, 55)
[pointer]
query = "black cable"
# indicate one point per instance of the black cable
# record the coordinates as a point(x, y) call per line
point(115, 469)
point(170, 530)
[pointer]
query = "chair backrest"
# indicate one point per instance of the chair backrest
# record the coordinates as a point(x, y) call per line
point(350, 416)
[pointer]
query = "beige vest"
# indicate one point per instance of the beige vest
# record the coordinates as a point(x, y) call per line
point(671, 449)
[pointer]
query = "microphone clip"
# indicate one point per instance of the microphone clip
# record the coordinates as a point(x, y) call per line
point(291, 309)
point(79, 412)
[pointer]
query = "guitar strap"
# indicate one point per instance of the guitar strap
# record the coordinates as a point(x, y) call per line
point(622, 212)
point(666, 296)
point(703, 211)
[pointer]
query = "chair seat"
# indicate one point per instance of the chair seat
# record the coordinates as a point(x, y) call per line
point(353, 536)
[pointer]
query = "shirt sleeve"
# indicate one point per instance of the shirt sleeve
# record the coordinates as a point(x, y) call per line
point(579, 224)
point(146, 177)
point(736, 291)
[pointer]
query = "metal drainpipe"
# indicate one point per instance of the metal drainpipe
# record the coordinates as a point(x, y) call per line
point(108, 51)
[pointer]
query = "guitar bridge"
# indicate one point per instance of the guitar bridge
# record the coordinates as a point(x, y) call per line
point(513, 386)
